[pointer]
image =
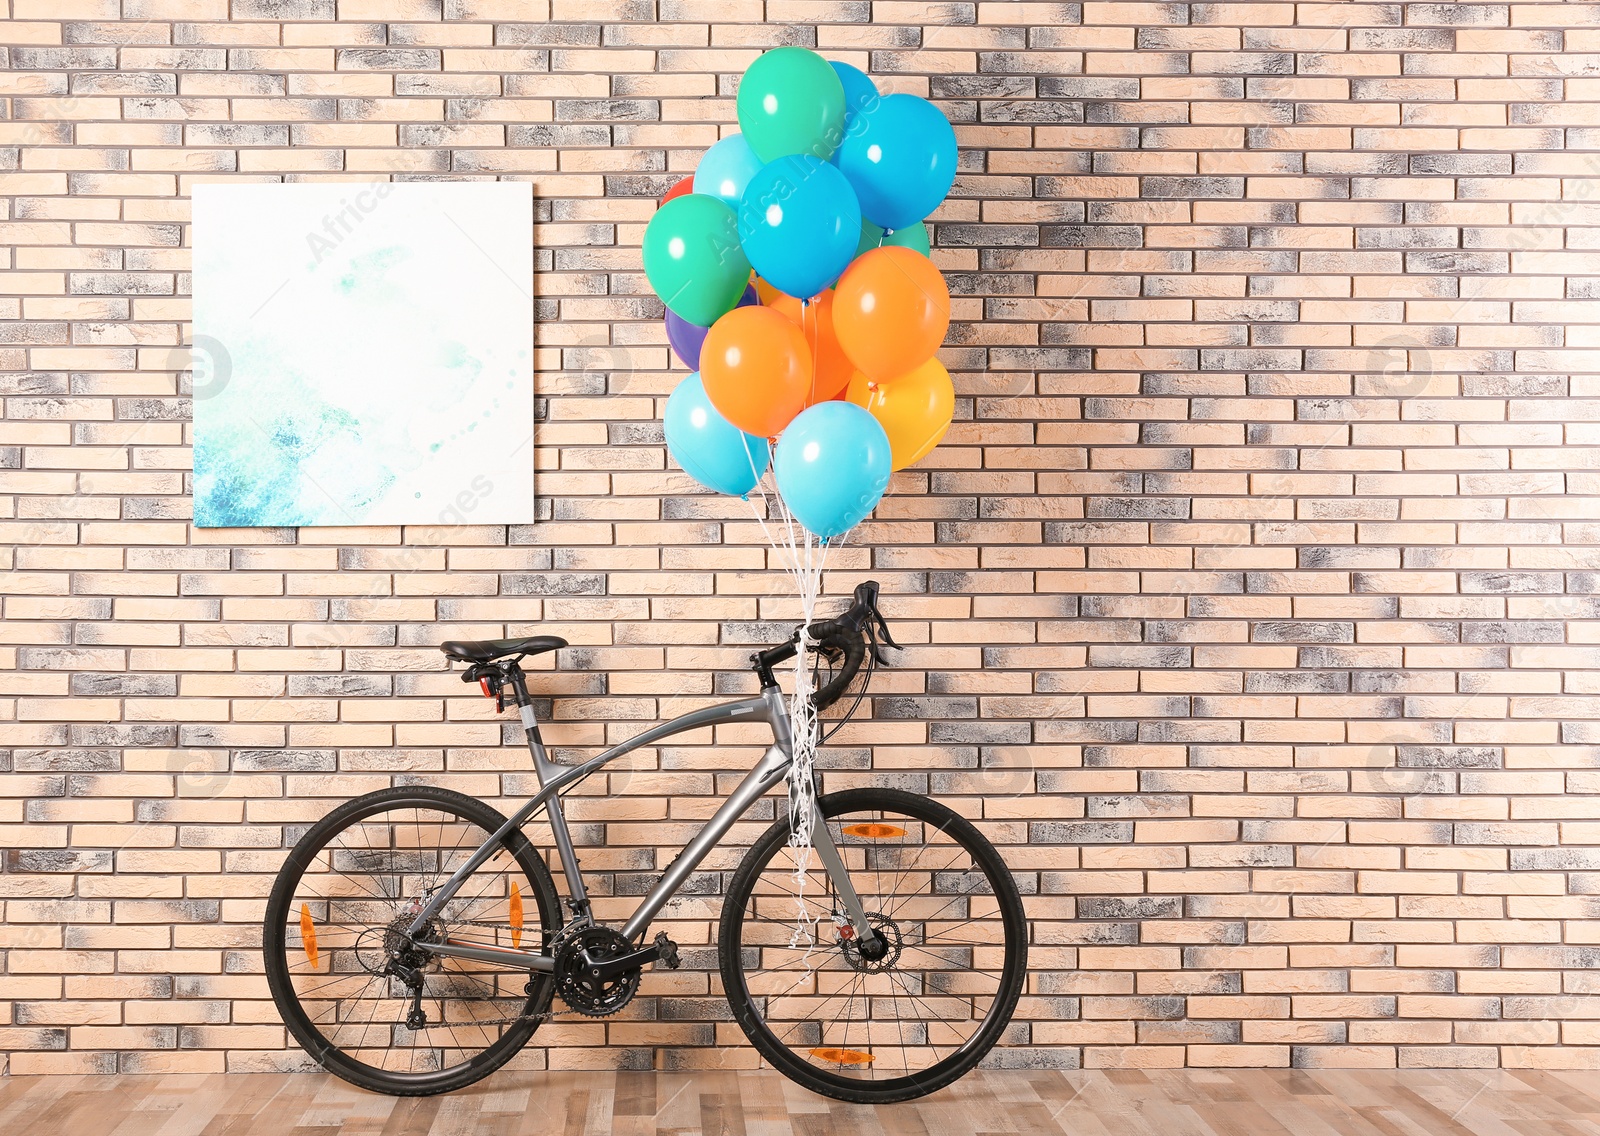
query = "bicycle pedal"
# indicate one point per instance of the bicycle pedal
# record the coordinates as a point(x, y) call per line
point(666, 951)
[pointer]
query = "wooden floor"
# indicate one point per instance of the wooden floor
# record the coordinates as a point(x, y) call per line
point(1157, 1103)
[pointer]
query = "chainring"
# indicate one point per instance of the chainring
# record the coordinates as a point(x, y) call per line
point(587, 993)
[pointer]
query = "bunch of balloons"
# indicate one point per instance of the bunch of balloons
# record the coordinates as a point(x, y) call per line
point(794, 268)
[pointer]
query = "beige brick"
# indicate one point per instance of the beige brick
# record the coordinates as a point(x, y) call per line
point(1258, 550)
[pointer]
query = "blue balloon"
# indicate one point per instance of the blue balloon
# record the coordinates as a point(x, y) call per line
point(901, 160)
point(832, 466)
point(860, 94)
point(726, 169)
point(799, 224)
point(712, 450)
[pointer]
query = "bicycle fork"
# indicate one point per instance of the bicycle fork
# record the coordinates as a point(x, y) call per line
point(828, 853)
point(821, 839)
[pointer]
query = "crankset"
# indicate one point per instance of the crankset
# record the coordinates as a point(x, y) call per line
point(584, 979)
point(597, 968)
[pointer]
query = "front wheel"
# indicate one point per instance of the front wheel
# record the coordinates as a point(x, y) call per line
point(924, 1002)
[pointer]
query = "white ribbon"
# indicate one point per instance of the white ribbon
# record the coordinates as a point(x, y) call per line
point(805, 559)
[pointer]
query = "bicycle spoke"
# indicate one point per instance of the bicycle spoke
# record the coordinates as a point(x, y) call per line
point(357, 892)
point(381, 895)
point(920, 991)
point(933, 877)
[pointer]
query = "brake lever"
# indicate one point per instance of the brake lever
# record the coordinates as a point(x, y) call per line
point(883, 626)
point(871, 631)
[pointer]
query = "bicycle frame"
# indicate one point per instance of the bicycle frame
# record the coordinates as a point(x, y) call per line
point(774, 765)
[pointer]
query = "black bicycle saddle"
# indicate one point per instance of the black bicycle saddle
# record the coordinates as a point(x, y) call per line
point(485, 650)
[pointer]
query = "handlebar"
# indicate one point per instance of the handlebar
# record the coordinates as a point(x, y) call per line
point(848, 634)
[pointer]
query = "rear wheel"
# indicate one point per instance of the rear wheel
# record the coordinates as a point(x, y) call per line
point(365, 1002)
point(908, 1013)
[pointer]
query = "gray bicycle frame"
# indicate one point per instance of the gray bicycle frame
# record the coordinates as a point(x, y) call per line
point(775, 764)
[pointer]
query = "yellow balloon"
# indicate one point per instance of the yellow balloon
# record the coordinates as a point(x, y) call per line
point(914, 409)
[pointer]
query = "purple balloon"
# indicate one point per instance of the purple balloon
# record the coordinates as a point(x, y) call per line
point(687, 338)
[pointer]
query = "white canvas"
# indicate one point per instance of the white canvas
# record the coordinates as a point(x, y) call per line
point(364, 354)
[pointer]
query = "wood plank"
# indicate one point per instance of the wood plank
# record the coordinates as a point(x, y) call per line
point(1113, 1102)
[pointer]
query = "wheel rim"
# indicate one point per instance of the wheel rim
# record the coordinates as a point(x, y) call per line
point(942, 985)
point(344, 952)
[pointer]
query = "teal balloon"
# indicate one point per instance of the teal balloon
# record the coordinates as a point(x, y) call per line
point(911, 237)
point(693, 260)
point(832, 466)
point(726, 169)
point(791, 102)
point(712, 450)
point(901, 160)
point(799, 224)
point(860, 94)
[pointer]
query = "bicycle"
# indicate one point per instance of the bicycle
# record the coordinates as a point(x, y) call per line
point(414, 939)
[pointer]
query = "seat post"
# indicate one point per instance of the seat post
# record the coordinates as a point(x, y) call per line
point(530, 723)
point(519, 686)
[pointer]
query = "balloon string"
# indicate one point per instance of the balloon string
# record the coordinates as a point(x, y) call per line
point(811, 341)
point(805, 560)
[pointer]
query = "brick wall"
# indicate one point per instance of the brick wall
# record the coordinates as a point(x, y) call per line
point(1251, 600)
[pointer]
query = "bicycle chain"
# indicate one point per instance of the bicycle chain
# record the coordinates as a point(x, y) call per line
point(540, 1017)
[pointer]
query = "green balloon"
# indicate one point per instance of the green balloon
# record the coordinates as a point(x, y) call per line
point(911, 237)
point(693, 260)
point(791, 102)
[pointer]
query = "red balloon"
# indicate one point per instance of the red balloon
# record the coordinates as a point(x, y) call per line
point(683, 187)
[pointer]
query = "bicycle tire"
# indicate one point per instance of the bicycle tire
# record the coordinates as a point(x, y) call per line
point(732, 951)
point(275, 948)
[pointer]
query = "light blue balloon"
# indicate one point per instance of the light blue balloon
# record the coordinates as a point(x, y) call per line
point(832, 466)
point(799, 224)
point(726, 169)
point(712, 450)
point(901, 160)
point(860, 94)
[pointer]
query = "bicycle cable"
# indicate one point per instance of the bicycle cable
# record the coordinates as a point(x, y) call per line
point(866, 684)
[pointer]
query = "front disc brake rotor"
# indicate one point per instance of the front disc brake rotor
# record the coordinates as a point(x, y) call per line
point(881, 955)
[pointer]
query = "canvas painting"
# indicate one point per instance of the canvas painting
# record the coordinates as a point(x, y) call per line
point(363, 354)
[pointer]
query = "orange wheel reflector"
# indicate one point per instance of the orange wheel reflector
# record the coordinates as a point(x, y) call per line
point(843, 1056)
point(308, 935)
point(516, 914)
point(874, 831)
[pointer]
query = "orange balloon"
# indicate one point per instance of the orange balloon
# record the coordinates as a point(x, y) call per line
point(833, 367)
point(914, 409)
point(756, 368)
point(890, 311)
point(766, 292)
